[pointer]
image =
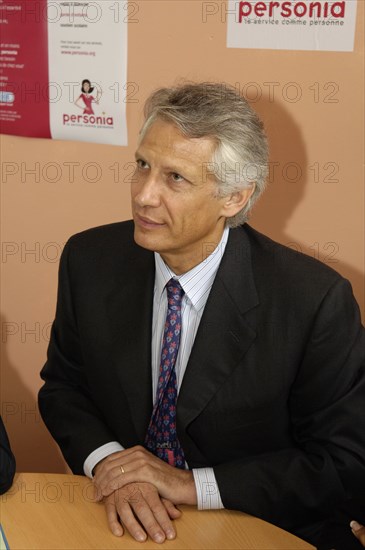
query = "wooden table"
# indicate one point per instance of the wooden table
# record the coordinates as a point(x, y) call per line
point(55, 511)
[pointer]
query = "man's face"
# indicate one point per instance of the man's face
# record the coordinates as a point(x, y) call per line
point(173, 203)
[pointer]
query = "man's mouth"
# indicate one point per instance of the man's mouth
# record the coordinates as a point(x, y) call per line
point(146, 222)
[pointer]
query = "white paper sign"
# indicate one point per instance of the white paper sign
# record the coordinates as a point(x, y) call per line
point(87, 46)
point(292, 24)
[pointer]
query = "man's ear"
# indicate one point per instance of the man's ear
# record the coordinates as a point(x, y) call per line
point(233, 203)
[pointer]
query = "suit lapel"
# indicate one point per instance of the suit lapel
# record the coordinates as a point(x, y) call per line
point(224, 334)
point(130, 311)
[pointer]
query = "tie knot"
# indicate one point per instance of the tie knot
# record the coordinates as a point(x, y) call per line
point(175, 292)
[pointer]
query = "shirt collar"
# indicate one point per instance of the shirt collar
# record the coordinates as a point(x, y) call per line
point(198, 281)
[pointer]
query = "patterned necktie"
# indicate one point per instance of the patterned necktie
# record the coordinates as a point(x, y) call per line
point(161, 438)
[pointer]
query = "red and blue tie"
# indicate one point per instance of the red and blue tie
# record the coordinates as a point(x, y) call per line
point(161, 438)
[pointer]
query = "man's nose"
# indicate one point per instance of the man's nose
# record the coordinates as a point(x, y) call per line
point(148, 192)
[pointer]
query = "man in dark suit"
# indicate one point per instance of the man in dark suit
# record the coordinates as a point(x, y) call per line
point(7, 461)
point(262, 345)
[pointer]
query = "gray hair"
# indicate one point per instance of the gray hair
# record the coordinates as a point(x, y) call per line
point(217, 111)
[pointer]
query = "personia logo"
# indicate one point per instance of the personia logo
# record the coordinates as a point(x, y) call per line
point(294, 8)
point(88, 120)
point(323, 25)
point(90, 95)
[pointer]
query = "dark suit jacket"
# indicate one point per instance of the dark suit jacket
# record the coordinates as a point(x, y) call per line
point(7, 461)
point(273, 394)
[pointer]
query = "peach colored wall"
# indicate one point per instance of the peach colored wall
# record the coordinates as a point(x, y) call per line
point(320, 212)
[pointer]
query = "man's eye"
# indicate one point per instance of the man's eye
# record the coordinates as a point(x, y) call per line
point(176, 177)
point(142, 164)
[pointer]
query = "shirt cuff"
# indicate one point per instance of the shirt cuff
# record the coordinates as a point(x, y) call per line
point(207, 491)
point(100, 453)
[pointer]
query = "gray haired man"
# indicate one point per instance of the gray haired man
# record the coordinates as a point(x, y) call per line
point(195, 361)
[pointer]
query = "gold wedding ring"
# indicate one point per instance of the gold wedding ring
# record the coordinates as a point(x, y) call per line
point(122, 470)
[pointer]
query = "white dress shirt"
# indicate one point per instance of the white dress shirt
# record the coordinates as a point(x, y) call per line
point(197, 284)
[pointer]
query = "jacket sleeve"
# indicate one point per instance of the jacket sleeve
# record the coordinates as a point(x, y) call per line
point(326, 465)
point(65, 404)
point(7, 461)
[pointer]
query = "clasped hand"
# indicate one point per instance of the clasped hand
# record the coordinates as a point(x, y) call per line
point(142, 490)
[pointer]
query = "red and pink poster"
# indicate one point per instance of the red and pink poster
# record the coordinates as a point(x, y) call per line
point(63, 67)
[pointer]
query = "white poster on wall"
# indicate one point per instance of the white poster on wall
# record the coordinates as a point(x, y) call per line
point(292, 24)
point(87, 62)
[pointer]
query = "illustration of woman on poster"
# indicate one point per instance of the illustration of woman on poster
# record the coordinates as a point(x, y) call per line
point(86, 98)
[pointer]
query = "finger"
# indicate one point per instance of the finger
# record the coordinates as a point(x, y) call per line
point(102, 473)
point(172, 511)
point(145, 516)
point(160, 515)
point(134, 449)
point(102, 468)
point(133, 472)
point(112, 461)
point(112, 479)
point(129, 521)
point(138, 452)
point(141, 456)
point(105, 462)
point(126, 461)
point(359, 531)
point(112, 516)
point(98, 495)
point(118, 481)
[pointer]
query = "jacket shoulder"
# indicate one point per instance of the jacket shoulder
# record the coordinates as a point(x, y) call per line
point(105, 247)
point(104, 235)
point(275, 260)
